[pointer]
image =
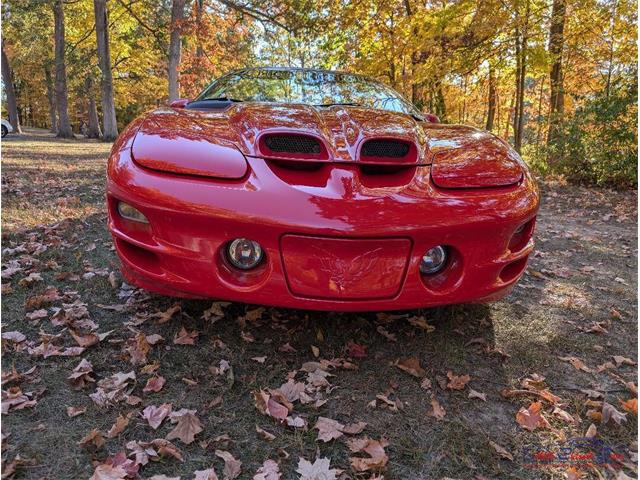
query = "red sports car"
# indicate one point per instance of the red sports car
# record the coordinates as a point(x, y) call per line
point(317, 190)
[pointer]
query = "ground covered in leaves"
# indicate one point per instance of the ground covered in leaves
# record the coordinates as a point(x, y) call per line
point(105, 381)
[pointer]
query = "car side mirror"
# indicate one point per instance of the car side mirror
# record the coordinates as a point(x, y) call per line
point(431, 118)
point(179, 103)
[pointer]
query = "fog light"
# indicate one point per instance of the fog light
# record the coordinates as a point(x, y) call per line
point(131, 213)
point(433, 260)
point(244, 254)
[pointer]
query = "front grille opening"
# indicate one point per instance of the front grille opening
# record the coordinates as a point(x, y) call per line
point(293, 144)
point(299, 166)
point(373, 169)
point(385, 148)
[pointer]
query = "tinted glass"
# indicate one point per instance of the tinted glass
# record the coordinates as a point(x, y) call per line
point(310, 87)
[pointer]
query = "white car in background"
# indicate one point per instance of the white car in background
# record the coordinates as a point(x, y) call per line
point(6, 127)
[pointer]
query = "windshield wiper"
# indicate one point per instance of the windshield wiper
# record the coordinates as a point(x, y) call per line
point(347, 104)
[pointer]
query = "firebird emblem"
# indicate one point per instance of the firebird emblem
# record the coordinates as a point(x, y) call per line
point(343, 273)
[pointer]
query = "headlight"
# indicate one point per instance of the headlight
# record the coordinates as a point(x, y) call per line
point(244, 254)
point(131, 213)
point(433, 260)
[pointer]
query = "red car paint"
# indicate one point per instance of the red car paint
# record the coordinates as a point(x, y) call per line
point(339, 231)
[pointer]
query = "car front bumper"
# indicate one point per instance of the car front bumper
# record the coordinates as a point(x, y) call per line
point(333, 240)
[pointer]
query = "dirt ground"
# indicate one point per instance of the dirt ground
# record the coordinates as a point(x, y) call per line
point(60, 279)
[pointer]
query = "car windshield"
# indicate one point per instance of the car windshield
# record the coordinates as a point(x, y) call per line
point(311, 87)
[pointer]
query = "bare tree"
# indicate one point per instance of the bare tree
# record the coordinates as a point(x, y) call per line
point(177, 15)
point(556, 99)
point(51, 97)
point(106, 80)
point(64, 126)
point(12, 104)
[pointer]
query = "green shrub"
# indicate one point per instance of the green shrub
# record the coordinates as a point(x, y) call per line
point(600, 140)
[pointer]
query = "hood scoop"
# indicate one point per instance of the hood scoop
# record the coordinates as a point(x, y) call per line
point(292, 144)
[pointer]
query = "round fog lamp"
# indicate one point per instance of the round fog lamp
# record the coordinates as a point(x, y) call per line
point(433, 260)
point(244, 254)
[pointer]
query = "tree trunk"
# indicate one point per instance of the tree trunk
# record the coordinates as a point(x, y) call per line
point(12, 104)
point(521, 52)
point(51, 97)
point(611, 48)
point(177, 14)
point(556, 99)
point(106, 80)
point(539, 116)
point(491, 110)
point(93, 128)
point(64, 126)
point(439, 106)
point(199, 10)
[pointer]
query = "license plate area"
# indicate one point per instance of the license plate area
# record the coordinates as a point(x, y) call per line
point(344, 269)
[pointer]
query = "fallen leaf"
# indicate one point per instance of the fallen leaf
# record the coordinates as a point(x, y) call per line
point(231, 465)
point(81, 375)
point(111, 390)
point(630, 405)
point(75, 411)
point(94, 437)
point(354, 428)
point(264, 434)
point(563, 415)
point(267, 405)
point(531, 418)
point(620, 360)
point(318, 470)
point(474, 394)
point(270, 470)
point(154, 384)
point(457, 382)
point(15, 399)
point(188, 425)
point(436, 409)
point(185, 338)
point(108, 472)
point(328, 429)
point(592, 431)
point(411, 366)
point(377, 458)
point(15, 337)
point(577, 363)
point(609, 412)
point(156, 415)
point(421, 323)
point(208, 474)
point(119, 426)
point(84, 340)
point(165, 316)
point(501, 451)
point(138, 347)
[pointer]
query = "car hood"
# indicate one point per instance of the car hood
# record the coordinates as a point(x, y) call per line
point(461, 157)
